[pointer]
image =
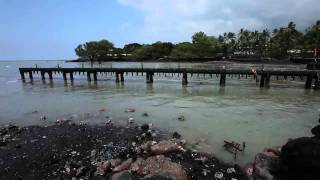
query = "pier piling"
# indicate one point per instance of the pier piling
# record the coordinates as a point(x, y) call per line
point(184, 78)
point(88, 76)
point(71, 76)
point(22, 75)
point(223, 80)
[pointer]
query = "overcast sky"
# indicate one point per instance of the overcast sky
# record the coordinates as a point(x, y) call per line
point(51, 29)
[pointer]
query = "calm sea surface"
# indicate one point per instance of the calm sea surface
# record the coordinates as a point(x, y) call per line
point(241, 111)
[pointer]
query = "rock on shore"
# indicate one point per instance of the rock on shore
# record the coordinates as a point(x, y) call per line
point(71, 151)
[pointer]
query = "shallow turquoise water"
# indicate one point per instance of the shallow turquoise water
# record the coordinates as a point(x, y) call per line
point(241, 111)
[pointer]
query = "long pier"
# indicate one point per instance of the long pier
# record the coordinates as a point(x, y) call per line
point(264, 76)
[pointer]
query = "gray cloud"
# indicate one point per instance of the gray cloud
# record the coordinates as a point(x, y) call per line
point(177, 20)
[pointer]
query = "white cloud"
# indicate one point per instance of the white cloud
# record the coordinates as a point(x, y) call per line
point(177, 20)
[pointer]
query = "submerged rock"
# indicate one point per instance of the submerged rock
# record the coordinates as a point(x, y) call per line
point(316, 131)
point(130, 110)
point(181, 118)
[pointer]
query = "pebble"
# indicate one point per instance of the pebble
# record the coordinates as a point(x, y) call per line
point(231, 170)
point(131, 120)
point(218, 175)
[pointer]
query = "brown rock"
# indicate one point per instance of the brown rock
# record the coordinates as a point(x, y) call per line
point(102, 168)
point(146, 146)
point(115, 162)
point(159, 166)
point(164, 147)
point(123, 166)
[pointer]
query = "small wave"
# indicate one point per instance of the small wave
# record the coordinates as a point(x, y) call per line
point(8, 66)
point(13, 81)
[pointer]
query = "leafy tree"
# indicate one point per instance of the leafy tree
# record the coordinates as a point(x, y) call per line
point(285, 39)
point(143, 53)
point(183, 51)
point(152, 52)
point(95, 50)
point(228, 42)
point(312, 36)
point(205, 46)
point(130, 48)
point(161, 49)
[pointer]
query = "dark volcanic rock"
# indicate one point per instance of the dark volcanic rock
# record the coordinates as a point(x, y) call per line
point(301, 158)
point(316, 131)
point(176, 135)
point(145, 127)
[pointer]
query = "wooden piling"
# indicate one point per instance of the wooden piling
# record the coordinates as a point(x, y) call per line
point(64, 74)
point(117, 78)
point(22, 75)
point(30, 75)
point(50, 75)
point(42, 75)
point(267, 81)
point(223, 80)
point(308, 82)
point(95, 78)
point(262, 80)
point(184, 78)
point(317, 81)
point(121, 77)
point(88, 76)
point(71, 76)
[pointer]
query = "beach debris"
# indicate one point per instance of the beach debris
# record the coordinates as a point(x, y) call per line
point(234, 147)
point(145, 114)
point(131, 120)
point(130, 110)
point(181, 118)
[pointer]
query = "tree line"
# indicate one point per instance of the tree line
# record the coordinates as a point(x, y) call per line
point(280, 43)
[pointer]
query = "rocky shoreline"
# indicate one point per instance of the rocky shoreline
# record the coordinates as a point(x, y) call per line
point(68, 150)
point(78, 151)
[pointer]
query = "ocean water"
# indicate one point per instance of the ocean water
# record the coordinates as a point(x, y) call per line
point(240, 112)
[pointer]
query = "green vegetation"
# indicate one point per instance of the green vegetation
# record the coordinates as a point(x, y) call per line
point(281, 43)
